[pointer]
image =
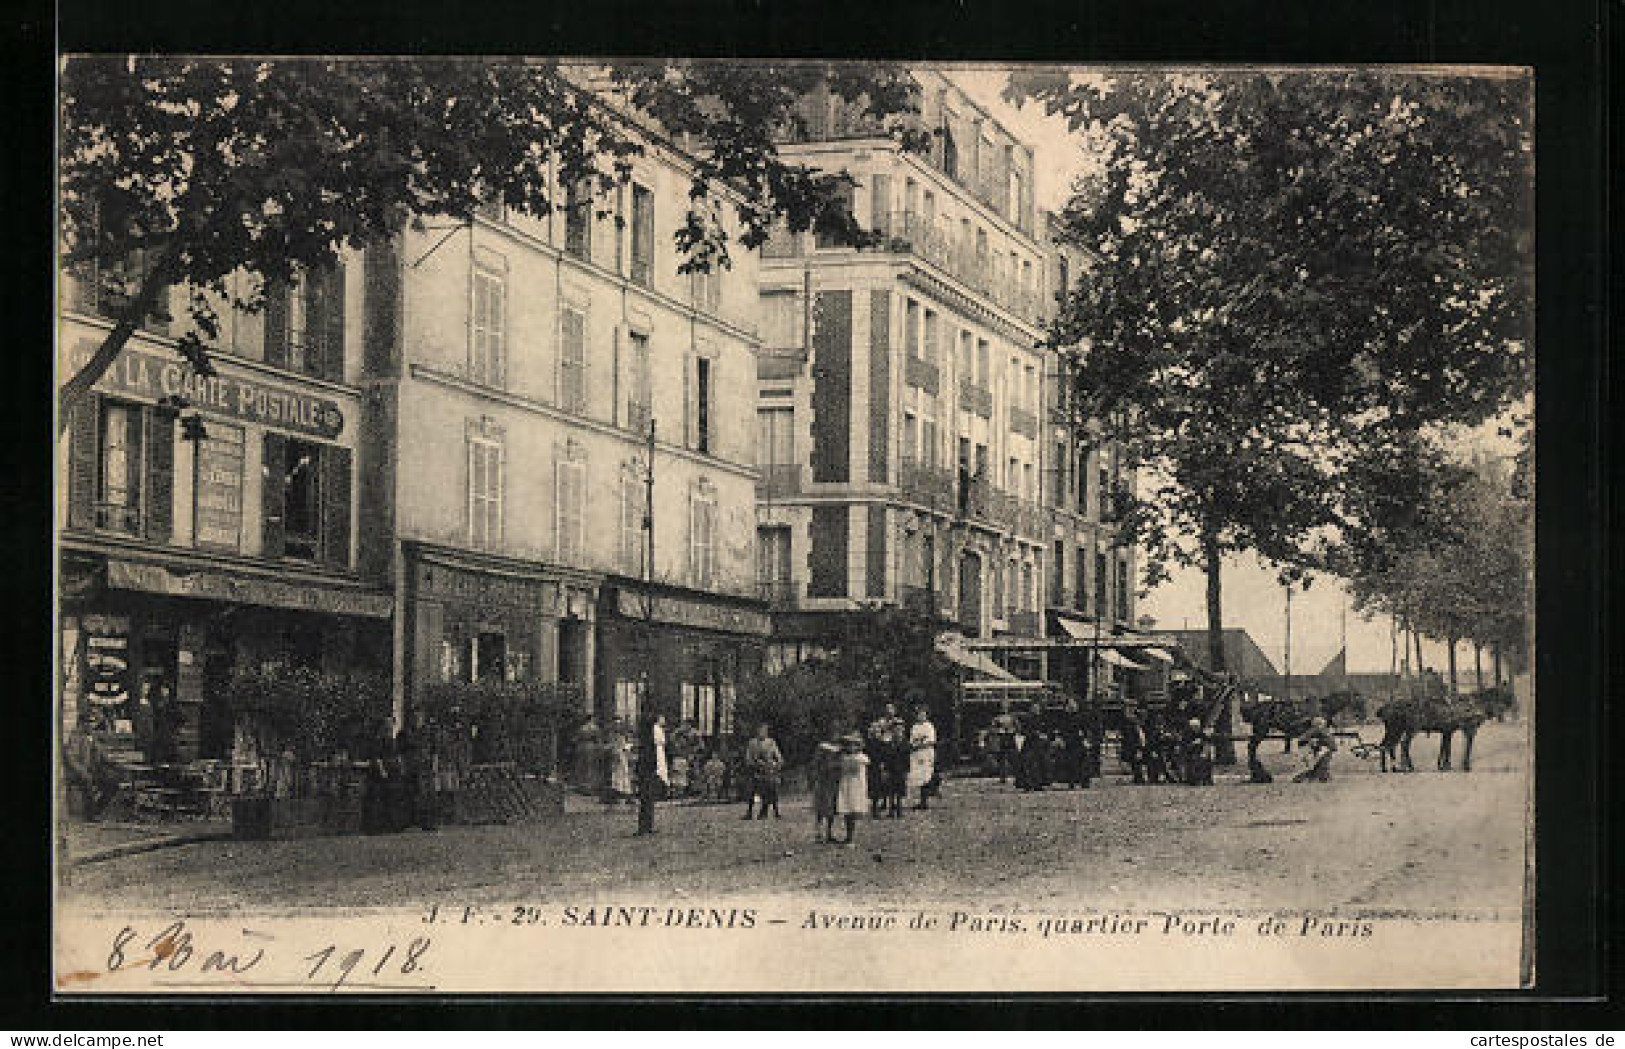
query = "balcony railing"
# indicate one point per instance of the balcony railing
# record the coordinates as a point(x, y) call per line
point(977, 399)
point(779, 479)
point(906, 232)
point(931, 485)
point(778, 593)
point(1023, 623)
point(781, 363)
point(922, 374)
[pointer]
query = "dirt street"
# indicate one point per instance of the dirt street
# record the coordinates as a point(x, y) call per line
point(1427, 844)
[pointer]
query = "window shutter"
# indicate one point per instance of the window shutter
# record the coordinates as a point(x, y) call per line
point(335, 506)
point(332, 321)
point(880, 203)
point(690, 419)
point(82, 449)
point(276, 323)
point(160, 470)
point(273, 495)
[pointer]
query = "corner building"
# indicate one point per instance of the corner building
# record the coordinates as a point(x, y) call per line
point(185, 558)
point(515, 367)
point(901, 388)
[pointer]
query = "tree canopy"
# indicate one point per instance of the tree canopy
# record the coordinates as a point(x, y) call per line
point(200, 167)
point(1301, 278)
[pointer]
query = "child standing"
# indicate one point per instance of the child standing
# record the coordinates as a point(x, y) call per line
point(852, 794)
point(826, 783)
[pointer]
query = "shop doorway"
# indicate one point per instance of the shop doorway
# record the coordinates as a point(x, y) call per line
point(970, 594)
point(573, 651)
point(490, 657)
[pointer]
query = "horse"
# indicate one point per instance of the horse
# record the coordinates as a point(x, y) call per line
point(1403, 718)
point(1289, 717)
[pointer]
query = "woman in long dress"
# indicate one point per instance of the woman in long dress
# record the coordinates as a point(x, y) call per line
point(922, 755)
point(620, 764)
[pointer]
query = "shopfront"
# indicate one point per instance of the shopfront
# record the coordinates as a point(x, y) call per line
point(149, 646)
point(681, 653)
point(479, 617)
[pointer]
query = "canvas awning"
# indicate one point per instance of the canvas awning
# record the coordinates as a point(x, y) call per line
point(954, 649)
point(1116, 658)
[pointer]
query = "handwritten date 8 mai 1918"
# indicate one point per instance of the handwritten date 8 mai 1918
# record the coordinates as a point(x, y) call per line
point(252, 958)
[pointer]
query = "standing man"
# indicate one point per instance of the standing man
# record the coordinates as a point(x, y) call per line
point(1004, 740)
point(1134, 745)
point(764, 763)
point(651, 766)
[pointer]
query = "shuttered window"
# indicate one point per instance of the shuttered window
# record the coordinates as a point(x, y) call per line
point(570, 498)
point(305, 501)
point(573, 360)
point(703, 539)
point(304, 323)
point(578, 221)
point(643, 235)
point(488, 338)
point(639, 384)
point(484, 493)
point(633, 542)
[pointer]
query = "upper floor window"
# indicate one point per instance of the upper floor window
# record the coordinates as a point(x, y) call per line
point(639, 388)
point(911, 327)
point(578, 220)
point(484, 493)
point(775, 438)
point(572, 359)
point(570, 493)
point(304, 322)
point(119, 468)
point(488, 338)
point(634, 505)
point(305, 508)
point(703, 395)
point(703, 538)
point(931, 336)
point(643, 235)
point(706, 289)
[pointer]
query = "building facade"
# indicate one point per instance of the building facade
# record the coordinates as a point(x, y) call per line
point(900, 388)
point(529, 382)
point(915, 449)
point(187, 556)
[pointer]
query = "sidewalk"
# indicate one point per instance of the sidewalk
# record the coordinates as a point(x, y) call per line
point(84, 843)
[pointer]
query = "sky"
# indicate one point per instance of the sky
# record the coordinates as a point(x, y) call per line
point(1252, 597)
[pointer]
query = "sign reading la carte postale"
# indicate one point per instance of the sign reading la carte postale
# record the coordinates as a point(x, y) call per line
point(147, 375)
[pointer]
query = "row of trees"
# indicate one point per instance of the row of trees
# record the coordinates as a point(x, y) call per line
point(1302, 282)
point(1466, 577)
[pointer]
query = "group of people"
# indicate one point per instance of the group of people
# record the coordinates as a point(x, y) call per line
point(1155, 751)
point(874, 772)
point(1042, 748)
point(683, 763)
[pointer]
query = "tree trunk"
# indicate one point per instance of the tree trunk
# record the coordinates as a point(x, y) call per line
point(1224, 750)
point(1478, 666)
point(1416, 638)
point(1453, 643)
point(156, 281)
point(1495, 655)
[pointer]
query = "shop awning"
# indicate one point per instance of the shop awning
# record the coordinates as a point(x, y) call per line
point(1116, 658)
point(1077, 630)
point(248, 590)
point(953, 647)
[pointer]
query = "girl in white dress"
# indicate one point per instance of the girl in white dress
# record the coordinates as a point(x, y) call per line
point(852, 796)
point(922, 755)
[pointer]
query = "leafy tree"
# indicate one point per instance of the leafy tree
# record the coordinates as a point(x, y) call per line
point(179, 172)
point(1301, 276)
